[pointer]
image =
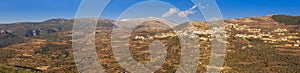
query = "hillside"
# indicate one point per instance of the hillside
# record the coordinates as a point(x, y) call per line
point(24, 31)
point(286, 19)
point(254, 44)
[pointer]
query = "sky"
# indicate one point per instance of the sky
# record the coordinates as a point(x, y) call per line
point(40, 10)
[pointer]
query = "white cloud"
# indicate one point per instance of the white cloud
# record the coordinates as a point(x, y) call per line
point(194, 7)
point(203, 6)
point(185, 13)
point(170, 12)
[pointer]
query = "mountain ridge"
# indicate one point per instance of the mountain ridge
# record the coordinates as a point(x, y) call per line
point(52, 52)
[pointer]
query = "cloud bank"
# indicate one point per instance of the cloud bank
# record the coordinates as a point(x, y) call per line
point(170, 12)
point(183, 13)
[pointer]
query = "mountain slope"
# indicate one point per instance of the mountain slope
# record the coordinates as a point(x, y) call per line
point(23, 31)
point(288, 20)
point(47, 47)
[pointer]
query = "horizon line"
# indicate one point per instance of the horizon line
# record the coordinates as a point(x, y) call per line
point(38, 21)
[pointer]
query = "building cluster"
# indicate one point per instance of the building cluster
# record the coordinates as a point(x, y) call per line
point(156, 36)
point(282, 37)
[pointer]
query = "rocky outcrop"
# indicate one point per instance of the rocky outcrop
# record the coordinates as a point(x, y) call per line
point(55, 21)
point(49, 31)
point(6, 33)
point(31, 33)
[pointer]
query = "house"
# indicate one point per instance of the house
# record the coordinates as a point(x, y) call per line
point(280, 30)
point(284, 39)
point(139, 37)
point(39, 41)
point(296, 45)
point(254, 30)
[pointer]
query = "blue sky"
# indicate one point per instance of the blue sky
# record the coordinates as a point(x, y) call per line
point(40, 10)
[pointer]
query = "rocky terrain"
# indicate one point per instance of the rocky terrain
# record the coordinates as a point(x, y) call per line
point(254, 44)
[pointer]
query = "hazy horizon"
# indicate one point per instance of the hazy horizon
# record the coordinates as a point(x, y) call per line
point(37, 11)
point(119, 20)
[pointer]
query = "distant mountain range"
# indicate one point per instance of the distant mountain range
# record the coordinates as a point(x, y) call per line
point(45, 46)
point(24, 30)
